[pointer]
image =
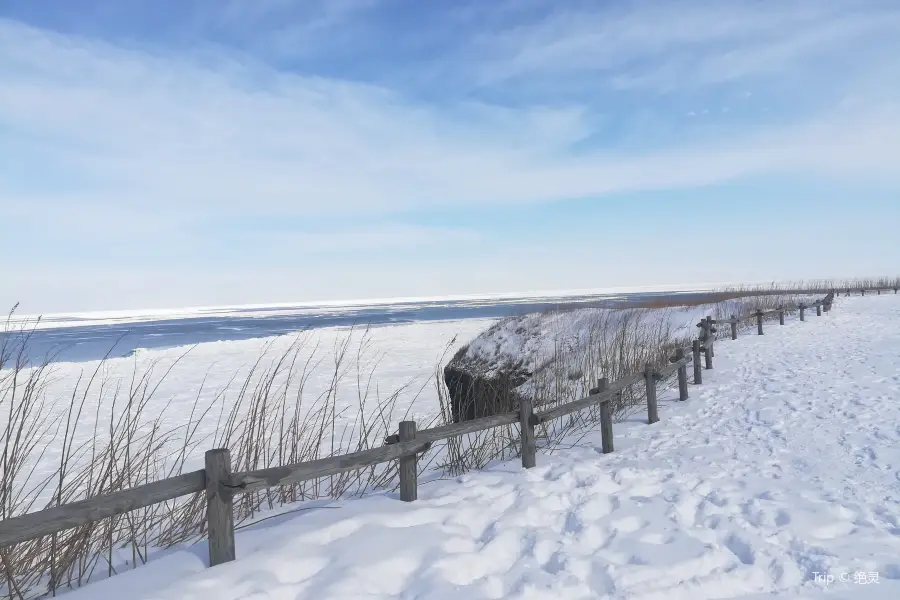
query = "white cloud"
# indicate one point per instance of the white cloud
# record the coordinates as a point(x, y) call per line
point(602, 38)
point(171, 135)
point(291, 28)
point(815, 52)
point(371, 239)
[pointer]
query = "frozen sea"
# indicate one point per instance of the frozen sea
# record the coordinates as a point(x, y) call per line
point(91, 336)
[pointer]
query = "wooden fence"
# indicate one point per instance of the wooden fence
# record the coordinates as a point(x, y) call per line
point(862, 291)
point(221, 485)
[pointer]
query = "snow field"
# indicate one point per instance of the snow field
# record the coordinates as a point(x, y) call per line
point(779, 477)
point(213, 373)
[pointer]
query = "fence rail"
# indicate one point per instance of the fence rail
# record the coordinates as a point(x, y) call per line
point(862, 291)
point(220, 485)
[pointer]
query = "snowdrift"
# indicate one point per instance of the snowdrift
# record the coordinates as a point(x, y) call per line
point(560, 354)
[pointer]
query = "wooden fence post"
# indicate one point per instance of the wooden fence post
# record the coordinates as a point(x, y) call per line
point(409, 470)
point(710, 334)
point(526, 426)
point(819, 309)
point(863, 292)
point(759, 322)
point(733, 327)
point(606, 423)
point(650, 378)
point(219, 503)
point(682, 376)
point(698, 368)
point(706, 338)
point(781, 316)
point(802, 312)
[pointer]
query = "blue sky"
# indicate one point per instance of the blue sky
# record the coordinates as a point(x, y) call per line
point(158, 153)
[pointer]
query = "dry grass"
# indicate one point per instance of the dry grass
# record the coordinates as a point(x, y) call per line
point(818, 286)
point(875, 283)
point(619, 343)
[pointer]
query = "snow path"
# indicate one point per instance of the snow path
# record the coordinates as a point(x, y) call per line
point(784, 464)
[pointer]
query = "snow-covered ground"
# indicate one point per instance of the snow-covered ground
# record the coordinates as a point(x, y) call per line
point(535, 336)
point(781, 474)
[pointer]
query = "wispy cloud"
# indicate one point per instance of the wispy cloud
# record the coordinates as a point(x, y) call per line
point(292, 29)
point(373, 239)
point(808, 50)
point(178, 134)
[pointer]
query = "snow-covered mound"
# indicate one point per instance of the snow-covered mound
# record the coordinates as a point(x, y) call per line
point(561, 354)
point(778, 478)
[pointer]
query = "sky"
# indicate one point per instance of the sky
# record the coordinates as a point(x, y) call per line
point(159, 153)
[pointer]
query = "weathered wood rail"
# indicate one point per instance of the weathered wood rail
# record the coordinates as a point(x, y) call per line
point(220, 485)
point(862, 291)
